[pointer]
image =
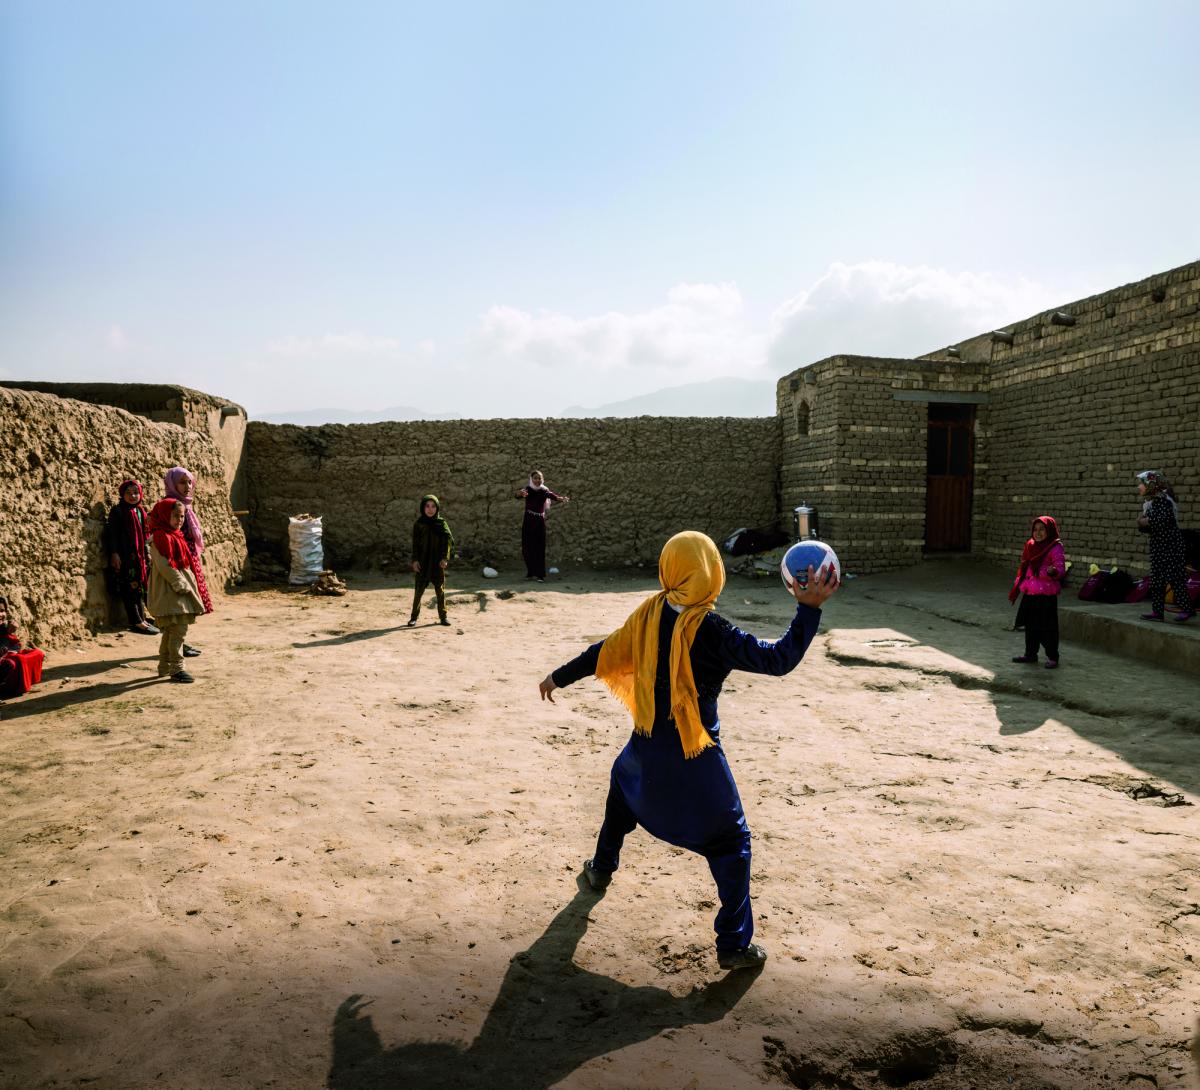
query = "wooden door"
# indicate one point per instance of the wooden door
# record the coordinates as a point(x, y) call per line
point(950, 476)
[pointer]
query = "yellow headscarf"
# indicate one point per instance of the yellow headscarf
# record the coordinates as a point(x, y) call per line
point(692, 577)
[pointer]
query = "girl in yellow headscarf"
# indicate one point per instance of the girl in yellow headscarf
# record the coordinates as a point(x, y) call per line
point(667, 664)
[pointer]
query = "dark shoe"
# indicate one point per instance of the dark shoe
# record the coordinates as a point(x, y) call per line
point(597, 879)
point(183, 676)
point(1152, 616)
point(445, 621)
point(190, 652)
point(1052, 664)
point(410, 623)
point(1025, 658)
point(750, 958)
point(1184, 617)
point(144, 629)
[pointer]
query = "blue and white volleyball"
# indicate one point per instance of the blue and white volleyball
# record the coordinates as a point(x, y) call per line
point(804, 555)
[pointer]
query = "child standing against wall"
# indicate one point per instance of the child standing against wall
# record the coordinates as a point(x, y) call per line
point(1160, 519)
point(125, 539)
point(431, 543)
point(174, 591)
point(1039, 578)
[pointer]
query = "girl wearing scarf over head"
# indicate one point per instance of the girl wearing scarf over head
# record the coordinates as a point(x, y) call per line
point(1039, 579)
point(431, 543)
point(125, 541)
point(1160, 519)
point(174, 587)
point(180, 484)
point(538, 500)
point(667, 664)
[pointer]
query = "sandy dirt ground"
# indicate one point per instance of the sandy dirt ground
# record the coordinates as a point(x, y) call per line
point(348, 856)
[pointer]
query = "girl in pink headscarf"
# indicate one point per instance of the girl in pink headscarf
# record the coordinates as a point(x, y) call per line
point(179, 484)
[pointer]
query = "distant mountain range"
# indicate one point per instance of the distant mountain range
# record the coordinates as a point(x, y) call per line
point(716, 397)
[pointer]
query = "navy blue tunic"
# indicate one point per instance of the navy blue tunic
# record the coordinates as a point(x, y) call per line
point(694, 803)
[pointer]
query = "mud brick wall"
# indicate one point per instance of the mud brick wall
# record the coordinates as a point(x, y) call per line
point(864, 468)
point(632, 482)
point(223, 421)
point(61, 462)
point(1077, 410)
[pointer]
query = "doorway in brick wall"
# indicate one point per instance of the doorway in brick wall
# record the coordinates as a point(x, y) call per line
point(949, 477)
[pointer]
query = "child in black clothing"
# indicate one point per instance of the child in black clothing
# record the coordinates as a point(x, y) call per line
point(125, 540)
point(431, 542)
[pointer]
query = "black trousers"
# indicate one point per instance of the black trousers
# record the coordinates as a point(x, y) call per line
point(422, 579)
point(1041, 624)
point(533, 546)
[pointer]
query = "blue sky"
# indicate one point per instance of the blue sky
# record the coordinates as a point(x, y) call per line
point(507, 208)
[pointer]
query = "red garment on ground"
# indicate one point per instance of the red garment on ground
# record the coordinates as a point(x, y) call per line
point(20, 671)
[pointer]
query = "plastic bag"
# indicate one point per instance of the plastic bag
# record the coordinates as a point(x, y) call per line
point(308, 555)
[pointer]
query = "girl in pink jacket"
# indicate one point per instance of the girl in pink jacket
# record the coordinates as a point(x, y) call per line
point(1039, 578)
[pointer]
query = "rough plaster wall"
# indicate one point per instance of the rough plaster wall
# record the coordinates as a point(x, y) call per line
point(1078, 410)
point(632, 482)
point(60, 466)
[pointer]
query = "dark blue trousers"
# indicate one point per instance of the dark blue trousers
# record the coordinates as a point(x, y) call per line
point(728, 860)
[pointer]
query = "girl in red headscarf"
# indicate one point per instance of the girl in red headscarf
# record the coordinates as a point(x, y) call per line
point(1039, 577)
point(125, 541)
point(174, 592)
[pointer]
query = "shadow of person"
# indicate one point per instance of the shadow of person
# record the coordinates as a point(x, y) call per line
point(549, 1018)
point(37, 701)
point(60, 670)
point(353, 637)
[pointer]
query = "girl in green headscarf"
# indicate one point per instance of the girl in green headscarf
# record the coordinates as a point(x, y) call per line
point(431, 543)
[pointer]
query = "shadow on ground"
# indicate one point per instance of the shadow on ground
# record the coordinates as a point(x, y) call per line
point(550, 1018)
point(951, 620)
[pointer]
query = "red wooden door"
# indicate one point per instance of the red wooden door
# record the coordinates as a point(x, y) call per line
point(949, 479)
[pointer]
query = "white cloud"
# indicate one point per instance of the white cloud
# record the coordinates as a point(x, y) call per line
point(882, 309)
point(116, 338)
point(701, 330)
point(351, 344)
point(516, 362)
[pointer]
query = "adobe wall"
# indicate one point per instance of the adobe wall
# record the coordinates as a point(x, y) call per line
point(60, 464)
point(1077, 410)
point(632, 482)
point(863, 462)
point(222, 420)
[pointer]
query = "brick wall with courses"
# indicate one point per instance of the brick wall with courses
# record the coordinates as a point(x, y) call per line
point(865, 471)
point(60, 465)
point(632, 482)
point(1077, 410)
point(806, 406)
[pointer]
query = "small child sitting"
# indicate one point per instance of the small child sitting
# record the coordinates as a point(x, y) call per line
point(20, 668)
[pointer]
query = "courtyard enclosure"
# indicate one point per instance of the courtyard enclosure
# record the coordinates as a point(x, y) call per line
point(953, 452)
